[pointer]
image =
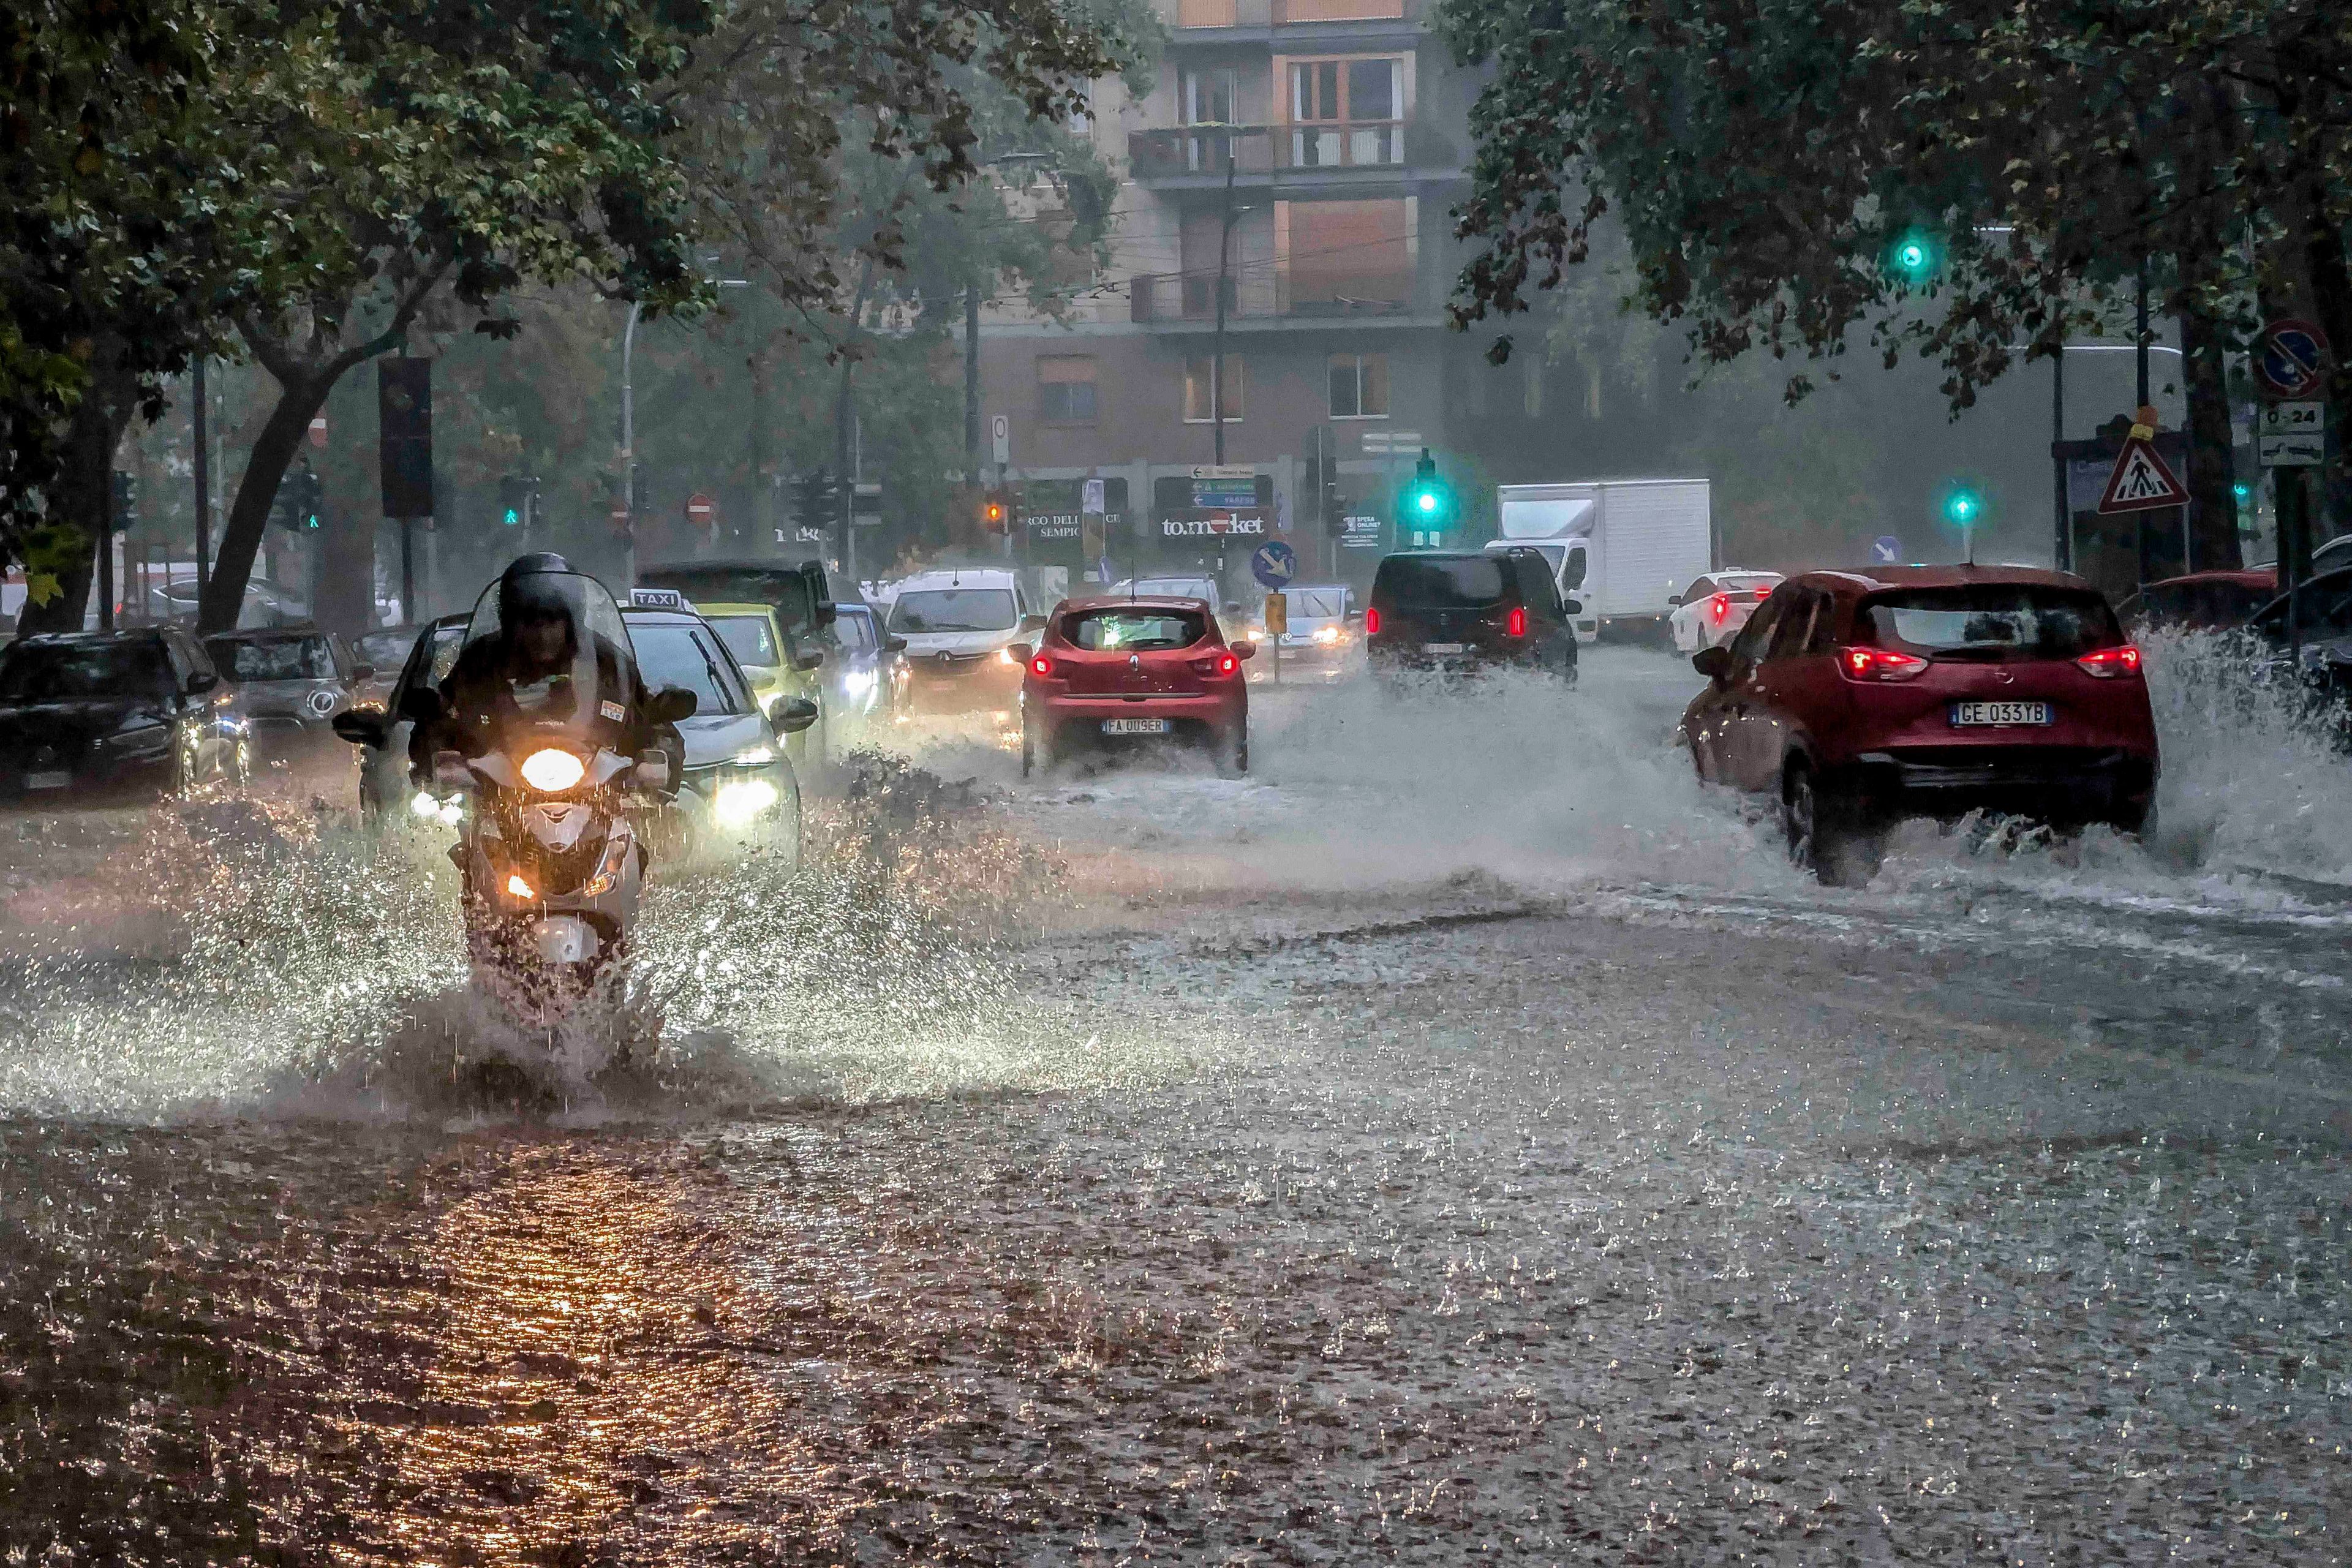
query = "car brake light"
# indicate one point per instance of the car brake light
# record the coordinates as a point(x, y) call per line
point(1228, 663)
point(1371, 622)
point(1763, 591)
point(1878, 664)
point(1515, 625)
point(1719, 606)
point(2108, 663)
point(1041, 666)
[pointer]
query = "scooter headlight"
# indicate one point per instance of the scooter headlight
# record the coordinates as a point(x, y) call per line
point(551, 770)
point(740, 799)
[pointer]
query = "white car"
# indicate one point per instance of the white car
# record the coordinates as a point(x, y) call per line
point(1710, 612)
point(960, 624)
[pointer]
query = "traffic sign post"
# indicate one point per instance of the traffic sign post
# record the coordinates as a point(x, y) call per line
point(1886, 550)
point(701, 510)
point(1274, 564)
point(2290, 358)
point(2292, 435)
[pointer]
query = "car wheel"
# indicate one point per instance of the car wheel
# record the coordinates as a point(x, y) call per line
point(1823, 827)
point(785, 841)
point(240, 762)
point(1038, 748)
point(1231, 750)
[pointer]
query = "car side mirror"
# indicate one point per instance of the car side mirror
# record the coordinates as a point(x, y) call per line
point(653, 772)
point(1714, 663)
point(1033, 622)
point(895, 645)
point(1673, 598)
point(812, 659)
point(797, 714)
point(361, 727)
point(363, 672)
point(202, 681)
point(822, 610)
point(1573, 607)
point(1245, 648)
point(670, 704)
point(1022, 652)
point(422, 704)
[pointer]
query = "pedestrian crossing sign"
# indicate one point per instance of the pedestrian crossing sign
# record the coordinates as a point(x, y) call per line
point(2140, 481)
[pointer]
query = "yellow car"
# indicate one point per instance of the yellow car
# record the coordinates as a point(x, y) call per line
point(778, 668)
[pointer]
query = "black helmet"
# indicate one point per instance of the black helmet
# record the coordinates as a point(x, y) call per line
point(533, 588)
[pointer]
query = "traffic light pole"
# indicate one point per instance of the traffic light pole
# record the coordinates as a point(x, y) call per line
point(204, 485)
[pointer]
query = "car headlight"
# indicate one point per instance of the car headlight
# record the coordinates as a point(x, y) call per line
point(740, 799)
point(551, 770)
point(1327, 634)
point(858, 682)
point(1004, 656)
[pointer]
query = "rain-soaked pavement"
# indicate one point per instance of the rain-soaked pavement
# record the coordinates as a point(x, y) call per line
point(1463, 1138)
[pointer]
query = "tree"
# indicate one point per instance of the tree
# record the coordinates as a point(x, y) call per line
point(424, 148)
point(1765, 155)
point(107, 262)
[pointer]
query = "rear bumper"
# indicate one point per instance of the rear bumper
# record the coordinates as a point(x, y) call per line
point(1390, 658)
point(2058, 784)
point(1082, 716)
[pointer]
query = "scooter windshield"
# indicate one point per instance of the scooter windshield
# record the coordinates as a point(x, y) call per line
point(546, 655)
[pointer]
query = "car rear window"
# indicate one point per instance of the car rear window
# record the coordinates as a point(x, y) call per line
point(1441, 581)
point(1139, 630)
point(1993, 621)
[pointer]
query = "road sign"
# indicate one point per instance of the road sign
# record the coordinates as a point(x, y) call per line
point(700, 509)
point(1274, 563)
point(2140, 481)
point(1090, 498)
point(2289, 358)
point(1277, 616)
point(1000, 436)
point(1224, 471)
point(2292, 435)
point(1886, 550)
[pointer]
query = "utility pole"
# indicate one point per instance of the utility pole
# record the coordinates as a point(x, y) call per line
point(629, 496)
point(1224, 252)
point(972, 384)
point(204, 487)
point(2062, 547)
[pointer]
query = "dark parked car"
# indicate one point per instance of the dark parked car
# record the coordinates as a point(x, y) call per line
point(93, 711)
point(291, 682)
point(2323, 622)
point(2202, 601)
point(1860, 697)
point(1464, 609)
point(382, 734)
point(862, 670)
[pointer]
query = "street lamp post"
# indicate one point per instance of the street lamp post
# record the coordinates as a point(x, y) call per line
point(629, 444)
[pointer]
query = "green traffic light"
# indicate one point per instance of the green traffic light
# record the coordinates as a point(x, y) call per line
point(2242, 491)
point(513, 517)
point(1428, 501)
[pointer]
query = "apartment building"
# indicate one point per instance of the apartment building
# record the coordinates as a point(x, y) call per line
point(1318, 145)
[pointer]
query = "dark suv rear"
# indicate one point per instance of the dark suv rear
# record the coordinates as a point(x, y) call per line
point(1459, 609)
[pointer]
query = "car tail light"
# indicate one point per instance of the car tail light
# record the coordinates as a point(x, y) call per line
point(1719, 606)
point(1228, 663)
point(1372, 623)
point(2108, 663)
point(1515, 625)
point(1763, 593)
point(1041, 666)
point(1878, 664)
point(1224, 663)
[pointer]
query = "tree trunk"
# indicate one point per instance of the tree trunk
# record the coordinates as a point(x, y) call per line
point(248, 516)
point(2331, 299)
point(65, 546)
point(2213, 472)
point(343, 596)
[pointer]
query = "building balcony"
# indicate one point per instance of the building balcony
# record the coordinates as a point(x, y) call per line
point(1195, 15)
point(1356, 150)
point(1299, 294)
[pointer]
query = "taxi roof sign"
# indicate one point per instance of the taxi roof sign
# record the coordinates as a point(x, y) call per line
point(658, 599)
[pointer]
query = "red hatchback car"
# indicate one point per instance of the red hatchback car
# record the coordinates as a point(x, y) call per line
point(1861, 697)
point(1108, 670)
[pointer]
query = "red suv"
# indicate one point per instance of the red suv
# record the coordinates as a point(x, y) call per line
point(1110, 671)
point(1861, 697)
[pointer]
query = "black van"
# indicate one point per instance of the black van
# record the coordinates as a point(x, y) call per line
point(1465, 609)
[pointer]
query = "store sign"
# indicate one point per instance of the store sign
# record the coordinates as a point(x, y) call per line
point(1068, 525)
point(1359, 532)
point(1234, 525)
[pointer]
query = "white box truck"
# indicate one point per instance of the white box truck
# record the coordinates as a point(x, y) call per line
point(1622, 548)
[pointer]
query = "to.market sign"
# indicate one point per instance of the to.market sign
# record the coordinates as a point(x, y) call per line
point(1214, 525)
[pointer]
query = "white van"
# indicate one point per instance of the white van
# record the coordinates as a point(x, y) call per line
point(960, 624)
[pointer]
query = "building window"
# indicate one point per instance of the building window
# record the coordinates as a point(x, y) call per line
point(1360, 386)
point(1347, 112)
point(1198, 394)
point(1208, 96)
point(1066, 389)
point(1341, 256)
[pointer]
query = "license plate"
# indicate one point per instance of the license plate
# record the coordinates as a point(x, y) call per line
point(48, 780)
point(1966, 713)
point(1441, 648)
point(1135, 727)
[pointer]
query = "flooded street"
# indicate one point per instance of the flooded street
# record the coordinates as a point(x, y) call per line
point(1463, 1137)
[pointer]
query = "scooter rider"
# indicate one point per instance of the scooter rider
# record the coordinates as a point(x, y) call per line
point(527, 668)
